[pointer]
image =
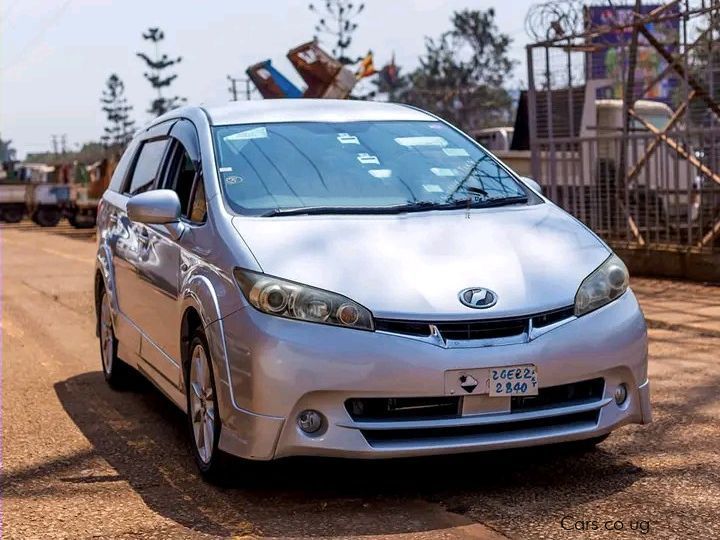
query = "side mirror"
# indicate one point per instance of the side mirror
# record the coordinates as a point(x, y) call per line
point(156, 207)
point(532, 184)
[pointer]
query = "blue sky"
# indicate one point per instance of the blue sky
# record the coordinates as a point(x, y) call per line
point(55, 55)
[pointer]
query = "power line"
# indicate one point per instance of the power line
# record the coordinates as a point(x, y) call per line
point(53, 20)
point(8, 9)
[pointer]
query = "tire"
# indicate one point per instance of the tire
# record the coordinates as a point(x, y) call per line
point(47, 216)
point(80, 223)
point(13, 214)
point(204, 423)
point(116, 372)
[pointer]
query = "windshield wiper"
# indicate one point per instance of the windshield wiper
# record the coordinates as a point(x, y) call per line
point(500, 201)
point(413, 206)
point(476, 202)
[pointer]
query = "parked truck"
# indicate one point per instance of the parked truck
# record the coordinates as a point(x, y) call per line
point(47, 194)
point(28, 190)
point(579, 154)
point(12, 201)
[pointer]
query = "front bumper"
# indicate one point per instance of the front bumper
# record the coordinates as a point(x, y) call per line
point(272, 369)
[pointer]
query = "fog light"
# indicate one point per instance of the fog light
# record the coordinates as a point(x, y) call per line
point(621, 394)
point(310, 421)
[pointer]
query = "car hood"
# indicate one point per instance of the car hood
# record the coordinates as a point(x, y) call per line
point(414, 265)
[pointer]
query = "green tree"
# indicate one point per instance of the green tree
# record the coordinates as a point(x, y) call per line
point(157, 75)
point(462, 73)
point(7, 152)
point(337, 19)
point(120, 127)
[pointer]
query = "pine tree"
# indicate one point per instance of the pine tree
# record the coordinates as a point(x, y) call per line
point(156, 75)
point(337, 20)
point(120, 127)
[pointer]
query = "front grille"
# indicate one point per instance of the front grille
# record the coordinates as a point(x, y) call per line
point(456, 434)
point(413, 408)
point(551, 317)
point(564, 395)
point(396, 326)
point(474, 329)
point(497, 328)
point(457, 330)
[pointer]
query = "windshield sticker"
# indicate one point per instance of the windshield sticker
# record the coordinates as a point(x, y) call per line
point(247, 135)
point(346, 138)
point(380, 173)
point(432, 188)
point(233, 179)
point(420, 141)
point(455, 152)
point(225, 169)
point(368, 159)
point(437, 171)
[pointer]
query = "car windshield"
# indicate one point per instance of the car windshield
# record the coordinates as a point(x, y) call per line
point(347, 167)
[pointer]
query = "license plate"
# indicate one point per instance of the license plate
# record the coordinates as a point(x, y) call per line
point(513, 381)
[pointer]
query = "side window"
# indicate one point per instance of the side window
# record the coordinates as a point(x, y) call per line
point(199, 205)
point(147, 166)
point(183, 178)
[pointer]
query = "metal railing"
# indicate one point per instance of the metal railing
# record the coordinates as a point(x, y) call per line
point(660, 199)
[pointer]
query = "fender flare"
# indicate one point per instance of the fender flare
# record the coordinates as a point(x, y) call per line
point(199, 294)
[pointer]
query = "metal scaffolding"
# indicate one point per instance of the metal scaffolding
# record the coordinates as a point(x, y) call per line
point(623, 118)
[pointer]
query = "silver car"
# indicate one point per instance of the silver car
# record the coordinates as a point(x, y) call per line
point(357, 279)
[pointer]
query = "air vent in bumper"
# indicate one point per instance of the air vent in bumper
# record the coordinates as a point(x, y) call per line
point(450, 435)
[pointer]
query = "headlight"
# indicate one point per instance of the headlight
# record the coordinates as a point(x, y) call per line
point(604, 285)
point(295, 301)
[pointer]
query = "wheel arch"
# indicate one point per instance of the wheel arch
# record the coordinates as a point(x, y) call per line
point(191, 321)
point(99, 287)
point(201, 303)
point(103, 281)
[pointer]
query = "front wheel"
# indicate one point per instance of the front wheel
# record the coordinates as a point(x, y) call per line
point(116, 372)
point(47, 216)
point(203, 411)
point(13, 214)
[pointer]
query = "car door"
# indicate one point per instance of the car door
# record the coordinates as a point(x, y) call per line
point(160, 262)
point(129, 239)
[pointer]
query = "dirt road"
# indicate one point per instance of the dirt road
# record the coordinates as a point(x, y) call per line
point(82, 461)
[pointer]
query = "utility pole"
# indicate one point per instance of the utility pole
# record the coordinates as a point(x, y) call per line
point(233, 88)
point(54, 139)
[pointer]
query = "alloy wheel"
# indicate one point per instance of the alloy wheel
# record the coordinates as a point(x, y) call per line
point(202, 404)
point(107, 338)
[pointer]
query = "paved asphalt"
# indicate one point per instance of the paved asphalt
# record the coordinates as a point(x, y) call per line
point(82, 461)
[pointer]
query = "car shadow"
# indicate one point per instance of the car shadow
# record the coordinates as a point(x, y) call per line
point(141, 435)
